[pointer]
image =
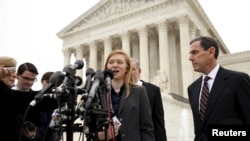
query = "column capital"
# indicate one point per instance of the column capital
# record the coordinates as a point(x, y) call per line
point(142, 30)
point(93, 43)
point(107, 39)
point(183, 19)
point(162, 26)
point(125, 35)
point(66, 52)
point(78, 48)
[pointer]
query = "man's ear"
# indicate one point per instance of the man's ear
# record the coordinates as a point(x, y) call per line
point(211, 51)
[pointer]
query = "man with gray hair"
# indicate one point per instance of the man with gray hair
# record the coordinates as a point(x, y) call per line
point(154, 96)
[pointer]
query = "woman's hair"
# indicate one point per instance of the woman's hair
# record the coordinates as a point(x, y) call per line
point(128, 81)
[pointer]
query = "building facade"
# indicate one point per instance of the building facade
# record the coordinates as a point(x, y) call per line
point(157, 32)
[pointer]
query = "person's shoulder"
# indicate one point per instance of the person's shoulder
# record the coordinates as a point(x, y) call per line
point(233, 72)
point(148, 84)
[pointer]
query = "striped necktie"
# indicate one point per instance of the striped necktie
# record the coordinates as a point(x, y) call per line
point(204, 97)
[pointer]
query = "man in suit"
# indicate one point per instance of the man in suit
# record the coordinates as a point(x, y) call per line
point(154, 96)
point(228, 104)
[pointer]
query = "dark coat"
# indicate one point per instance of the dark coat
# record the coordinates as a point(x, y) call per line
point(154, 96)
point(135, 116)
point(228, 104)
point(12, 104)
point(15, 107)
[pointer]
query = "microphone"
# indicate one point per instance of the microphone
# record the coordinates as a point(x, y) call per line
point(108, 75)
point(97, 80)
point(78, 65)
point(89, 74)
point(72, 68)
point(55, 80)
point(78, 81)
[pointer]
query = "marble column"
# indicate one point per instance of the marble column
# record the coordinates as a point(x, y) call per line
point(144, 59)
point(184, 48)
point(66, 55)
point(107, 47)
point(135, 48)
point(164, 53)
point(174, 62)
point(125, 42)
point(93, 55)
point(79, 56)
point(192, 36)
point(153, 55)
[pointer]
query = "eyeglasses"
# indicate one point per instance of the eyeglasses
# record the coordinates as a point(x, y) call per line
point(28, 79)
point(11, 69)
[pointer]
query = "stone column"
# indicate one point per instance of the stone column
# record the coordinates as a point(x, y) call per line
point(93, 55)
point(192, 36)
point(174, 61)
point(164, 54)
point(66, 55)
point(107, 47)
point(184, 45)
point(144, 59)
point(125, 42)
point(135, 47)
point(193, 32)
point(79, 56)
point(153, 55)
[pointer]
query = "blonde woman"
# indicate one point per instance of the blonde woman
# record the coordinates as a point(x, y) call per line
point(129, 101)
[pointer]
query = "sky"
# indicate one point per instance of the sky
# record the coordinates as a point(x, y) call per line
point(28, 28)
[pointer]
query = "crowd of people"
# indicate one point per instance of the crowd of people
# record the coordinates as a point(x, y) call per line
point(137, 104)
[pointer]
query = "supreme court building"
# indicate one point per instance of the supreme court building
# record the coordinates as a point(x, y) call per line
point(157, 32)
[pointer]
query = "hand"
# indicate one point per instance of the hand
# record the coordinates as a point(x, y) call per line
point(113, 131)
point(30, 134)
point(4, 72)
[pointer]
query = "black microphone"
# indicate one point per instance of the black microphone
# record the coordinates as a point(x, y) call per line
point(97, 80)
point(108, 75)
point(78, 81)
point(72, 68)
point(55, 80)
point(89, 74)
point(78, 65)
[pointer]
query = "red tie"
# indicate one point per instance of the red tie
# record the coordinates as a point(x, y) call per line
point(204, 97)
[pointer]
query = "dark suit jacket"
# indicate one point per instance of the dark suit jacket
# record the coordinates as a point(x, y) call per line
point(228, 104)
point(154, 96)
point(135, 116)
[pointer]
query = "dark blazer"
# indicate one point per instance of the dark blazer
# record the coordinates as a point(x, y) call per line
point(154, 96)
point(135, 116)
point(228, 104)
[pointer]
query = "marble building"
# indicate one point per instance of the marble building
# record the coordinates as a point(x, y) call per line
point(157, 32)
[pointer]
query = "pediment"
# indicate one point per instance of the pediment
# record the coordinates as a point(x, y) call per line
point(106, 9)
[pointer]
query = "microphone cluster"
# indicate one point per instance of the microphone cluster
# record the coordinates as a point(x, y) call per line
point(93, 82)
point(93, 105)
point(58, 78)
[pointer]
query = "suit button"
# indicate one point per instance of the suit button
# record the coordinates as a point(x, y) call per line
point(120, 119)
point(122, 135)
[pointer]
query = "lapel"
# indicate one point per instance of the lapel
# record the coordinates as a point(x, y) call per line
point(217, 89)
point(123, 101)
point(196, 99)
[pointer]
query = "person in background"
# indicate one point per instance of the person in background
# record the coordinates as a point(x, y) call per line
point(42, 119)
point(12, 103)
point(129, 101)
point(228, 91)
point(26, 76)
point(154, 95)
